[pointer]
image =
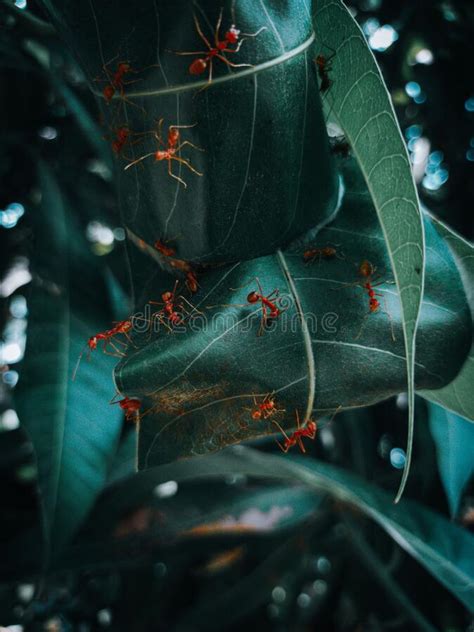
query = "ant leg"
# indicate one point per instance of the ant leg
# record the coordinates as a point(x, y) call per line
point(229, 63)
point(218, 26)
point(364, 322)
point(264, 320)
point(182, 126)
point(119, 342)
point(118, 353)
point(193, 309)
point(263, 28)
point(188, 165)
point(283, 448)
point(281, 429)
point(172, 174)
point(301, 445)
point(163, 322)
point(79, 362)
point(135, 162)
point(209, 80)
point(187, 142)
point(273, 294)
point(201, 34)
point(130, 341)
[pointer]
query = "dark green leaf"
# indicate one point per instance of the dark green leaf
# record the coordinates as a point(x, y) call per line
point(338, 355)
point(268, 174)
point(73, 429)
point(440, 546)
point(125, 460)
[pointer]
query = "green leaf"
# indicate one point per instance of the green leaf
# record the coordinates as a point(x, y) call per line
point(457, 395)
point(440, 546)
point(73, 429)
point(22, 536)
point(139, 508)
point(454, 439)
point(360, 101)
point(233, 508)
point(125, 460)
point(268, 172)
point(198, 382)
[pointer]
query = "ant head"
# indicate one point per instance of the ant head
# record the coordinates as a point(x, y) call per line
point(366, 269)
point(167, 251)
point(191, 282)
point(92, 343)
point(320, 60)
point(167, 296)
point(161, 155)
point(328, 251)
point(373, 305)
point(198, 66)
point(257, 414)
point(232, 35)
point(108, 92)
point(253, 297)
point(311, 425)
point(123, 67)
point(130, 404)
point(173, 134)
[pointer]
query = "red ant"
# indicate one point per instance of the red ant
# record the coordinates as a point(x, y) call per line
point(307, 430)
point(171, 149)
point(265, 409)
point(116, 81)
point(327, 252)
point(130, 406)
point(199, 65)
point(268, 303)
point(122, 135)
point(324, 67)
point(168, 311)
point(122, 327)
point(367, 271)
point(191, 282)
point(270, 309)
point(166, 251)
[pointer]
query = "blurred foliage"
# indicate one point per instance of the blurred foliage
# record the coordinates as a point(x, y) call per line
point(234, 549)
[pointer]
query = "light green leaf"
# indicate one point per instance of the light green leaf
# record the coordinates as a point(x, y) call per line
point(454, 438)
point(360, 101)
point(457, 395)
